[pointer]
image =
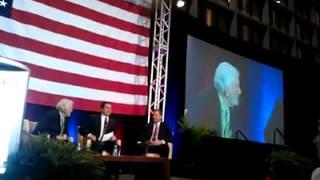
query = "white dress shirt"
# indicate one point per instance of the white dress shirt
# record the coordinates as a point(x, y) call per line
point(103, 118)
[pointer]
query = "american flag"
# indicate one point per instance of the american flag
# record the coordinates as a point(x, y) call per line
point(86, 50)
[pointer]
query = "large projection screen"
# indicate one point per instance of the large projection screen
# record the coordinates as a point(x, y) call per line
point(227, 93)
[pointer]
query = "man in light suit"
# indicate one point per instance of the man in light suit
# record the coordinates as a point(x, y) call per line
point(55, 122)
point(227, 83)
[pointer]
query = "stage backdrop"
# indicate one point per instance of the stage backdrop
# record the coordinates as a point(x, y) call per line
point(256, 95)
point(89, 51)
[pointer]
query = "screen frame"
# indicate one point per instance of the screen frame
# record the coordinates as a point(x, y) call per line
point(185, 25)
point(239, 134)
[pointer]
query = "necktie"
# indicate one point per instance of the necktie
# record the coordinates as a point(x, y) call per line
point(105, 127)
point(61, 125)
point(155, 132)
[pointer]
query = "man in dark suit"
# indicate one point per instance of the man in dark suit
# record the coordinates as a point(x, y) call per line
point(157, 135)
point(98, 126)
point(55, 122)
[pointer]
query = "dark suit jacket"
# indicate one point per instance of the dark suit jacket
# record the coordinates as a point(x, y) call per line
point(93, 126)
point(50, 124)
point(164, 132)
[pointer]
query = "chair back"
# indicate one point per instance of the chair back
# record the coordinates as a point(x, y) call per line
point(29, 126)
point(316, 174)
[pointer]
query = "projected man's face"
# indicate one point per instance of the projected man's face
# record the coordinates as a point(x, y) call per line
point(232, 94)
point(227, 83)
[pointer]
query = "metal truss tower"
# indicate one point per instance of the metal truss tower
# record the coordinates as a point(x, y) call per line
point(160, 55)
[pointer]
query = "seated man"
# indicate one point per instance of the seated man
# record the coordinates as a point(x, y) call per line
point(54, 122)
point(98, 127)
point(157, 135)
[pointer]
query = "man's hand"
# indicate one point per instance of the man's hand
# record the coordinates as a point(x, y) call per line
point(92, 137)
point(156, 143)
point(59, 137)
point(63, 137)
point(118, 142)
point(113, 138)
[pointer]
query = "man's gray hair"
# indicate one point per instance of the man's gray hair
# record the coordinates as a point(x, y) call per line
point(224, 75)
point(63, 104)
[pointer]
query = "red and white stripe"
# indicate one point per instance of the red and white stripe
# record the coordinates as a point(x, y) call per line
point(89, 51)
